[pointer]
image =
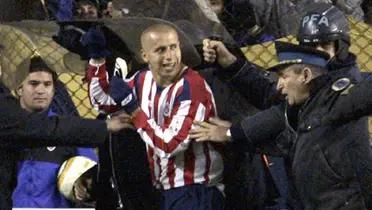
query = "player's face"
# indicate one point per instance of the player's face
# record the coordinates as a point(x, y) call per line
point(161, 50)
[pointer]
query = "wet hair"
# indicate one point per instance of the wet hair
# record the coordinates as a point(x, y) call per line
point(37, 64)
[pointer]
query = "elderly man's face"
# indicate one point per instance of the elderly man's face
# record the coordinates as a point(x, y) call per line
point(292, 85)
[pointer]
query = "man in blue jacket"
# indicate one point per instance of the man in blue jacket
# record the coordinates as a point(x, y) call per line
point(38, 168)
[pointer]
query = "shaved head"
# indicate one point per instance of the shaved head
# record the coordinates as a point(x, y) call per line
point(161, 51)
point(152, 32)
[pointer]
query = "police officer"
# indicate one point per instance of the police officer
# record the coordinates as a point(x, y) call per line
point(253, 181)
point(326, 28)
point(330, 160)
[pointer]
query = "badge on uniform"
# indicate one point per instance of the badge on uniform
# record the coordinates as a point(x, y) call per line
point(341, 84)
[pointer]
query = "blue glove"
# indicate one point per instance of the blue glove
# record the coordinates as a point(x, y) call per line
point(95, 42)
point(123, 94)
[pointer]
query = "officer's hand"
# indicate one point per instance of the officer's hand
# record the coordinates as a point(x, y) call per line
point(216, 51)
point(123, 94)
point(95, 43)
point(214, 130)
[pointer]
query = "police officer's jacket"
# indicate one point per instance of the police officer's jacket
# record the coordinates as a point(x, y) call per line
point(327, 143)
point(245, 170)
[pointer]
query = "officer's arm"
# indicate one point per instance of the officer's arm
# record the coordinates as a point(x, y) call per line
point(254, 84)
point(248, 78)
point(260, 128)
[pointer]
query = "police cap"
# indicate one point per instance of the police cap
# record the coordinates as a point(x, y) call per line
point(289, 54)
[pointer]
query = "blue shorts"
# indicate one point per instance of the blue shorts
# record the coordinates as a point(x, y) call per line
point(192, 197)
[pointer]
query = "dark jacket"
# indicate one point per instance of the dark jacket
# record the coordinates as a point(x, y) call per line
point(344, 68)
point(250, 183)
point(330, 159)
point(19, 129)
point(37, 171)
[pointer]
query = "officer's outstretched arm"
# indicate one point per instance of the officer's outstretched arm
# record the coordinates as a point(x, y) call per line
point(264, 126)
point(252, 131)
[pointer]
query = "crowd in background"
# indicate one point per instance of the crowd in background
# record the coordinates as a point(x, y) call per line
point(249, 21)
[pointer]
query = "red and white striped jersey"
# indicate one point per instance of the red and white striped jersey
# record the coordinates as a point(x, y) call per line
point(164, 122)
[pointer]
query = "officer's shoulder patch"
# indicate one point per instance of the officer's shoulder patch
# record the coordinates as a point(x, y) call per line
point(341, 84)
point(347, 90)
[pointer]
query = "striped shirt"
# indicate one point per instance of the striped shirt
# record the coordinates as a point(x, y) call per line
point(164, 122)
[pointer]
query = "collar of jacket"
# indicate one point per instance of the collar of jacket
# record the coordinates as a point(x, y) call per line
point(3, 89)
point(337, 64)
point(318, 83)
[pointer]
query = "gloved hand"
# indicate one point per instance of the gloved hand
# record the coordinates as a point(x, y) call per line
point(123, 94)
point(95, 42)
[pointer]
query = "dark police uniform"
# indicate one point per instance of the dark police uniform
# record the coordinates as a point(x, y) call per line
point(250, 182)
point(19, 129)
point(330, 161)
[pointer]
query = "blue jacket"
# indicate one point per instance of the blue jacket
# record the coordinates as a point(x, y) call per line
point(37, 175)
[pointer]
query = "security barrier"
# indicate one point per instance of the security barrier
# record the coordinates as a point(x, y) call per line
point(20, 40)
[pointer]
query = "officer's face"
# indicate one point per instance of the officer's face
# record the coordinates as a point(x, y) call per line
point(161, 50)
point(293, 86)
point(37, 91)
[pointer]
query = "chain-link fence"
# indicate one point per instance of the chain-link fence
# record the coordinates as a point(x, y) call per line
point(23, 39)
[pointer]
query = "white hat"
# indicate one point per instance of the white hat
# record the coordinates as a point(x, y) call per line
point(70, 171)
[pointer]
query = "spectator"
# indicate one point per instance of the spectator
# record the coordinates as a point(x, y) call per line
point(367, 8)
point(239, 19)
point(278, 18)
point(351, 7)
point(20, 129)
point(86, 9)
point(37, 169)
point(59, 10)
point(107, 9)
